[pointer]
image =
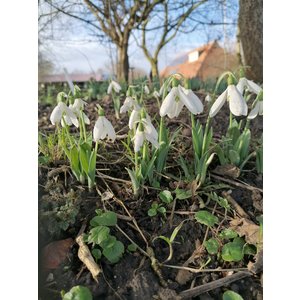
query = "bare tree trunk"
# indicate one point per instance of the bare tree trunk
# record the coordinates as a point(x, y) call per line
point(251, 37)
point(123, 63)
point(154, 69)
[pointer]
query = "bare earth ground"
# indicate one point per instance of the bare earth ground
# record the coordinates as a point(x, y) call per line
point(133, 277)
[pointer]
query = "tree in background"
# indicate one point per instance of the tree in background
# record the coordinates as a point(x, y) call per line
point(116, 19)
point(250, 37)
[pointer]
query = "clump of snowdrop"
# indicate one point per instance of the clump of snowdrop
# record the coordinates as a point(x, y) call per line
point(237, 103)
point(103, 128)
point(63, 113)
point(177, 98)
point(78, 107)
point(114, 86)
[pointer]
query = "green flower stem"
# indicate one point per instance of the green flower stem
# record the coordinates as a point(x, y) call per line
point(207, 127)
point(247, 125)
point(161, 126)
point(83, 125)
point(67, 132)
point(136, 161)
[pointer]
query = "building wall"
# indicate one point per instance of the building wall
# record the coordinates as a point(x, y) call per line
point(214, 64)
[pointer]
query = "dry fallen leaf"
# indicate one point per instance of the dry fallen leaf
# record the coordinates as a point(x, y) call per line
point(55, 253)
point(247, 228)
point(257, 200)
point(228, 170)
point(257, 266)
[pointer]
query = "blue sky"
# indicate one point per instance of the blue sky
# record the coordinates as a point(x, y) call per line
point(74, 50)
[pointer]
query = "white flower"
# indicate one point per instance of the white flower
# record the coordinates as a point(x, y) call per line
point(146, 90)
point(149, 128)
point(134, 117)
point(79, 104)
point(156, 94)
point(237, 103)
point(257, 110)
point(77, 107)
point(208, 98)
point(128, 104)
point(141, 136)
point(103, 128)
point(244, 83)
point(176, 99)
point(60, 111)
point(113, 86)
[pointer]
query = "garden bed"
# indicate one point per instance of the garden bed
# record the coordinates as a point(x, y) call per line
point(66, 208)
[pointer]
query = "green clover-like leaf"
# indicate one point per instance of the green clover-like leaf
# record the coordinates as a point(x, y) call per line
point(212, 246)
point(166, 196)
point(206, 218)
point(98, 234)
point(231, 295)
point(108, 218)
point(114, 253)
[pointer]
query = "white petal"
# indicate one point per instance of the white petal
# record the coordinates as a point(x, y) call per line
point(111, 134)
point(208, 98)
point(138, 140)
point(146, 89)
point(169, 102)
point(98, 129)
point(78, 104)
point(134, 117)
point(156, 94)
point(56, 115)
point(72, 116)
point(253, 87)
point(152, 140)
point(190, 100)
point(128, 104)
point(237, 103)
point(109, 88)
point(86, 119)
point(218, 104)
point(177, 109)
point(149, 128)
point(241, 85)
point(116, 86)
point(254, 112)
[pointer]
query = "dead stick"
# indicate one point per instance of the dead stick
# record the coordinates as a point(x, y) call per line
point(238, 184)
point(86, 257)
point(213, 285)
point(235, 205)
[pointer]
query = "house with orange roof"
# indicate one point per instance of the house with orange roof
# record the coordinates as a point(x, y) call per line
point(206, 62)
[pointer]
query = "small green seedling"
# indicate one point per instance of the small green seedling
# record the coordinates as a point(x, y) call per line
point(231, 295)
point(101, 239)
point(77, 293)
point(155, 209)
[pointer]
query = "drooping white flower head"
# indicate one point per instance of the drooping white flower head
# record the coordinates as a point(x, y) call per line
point(78, 104)
point(176, 99)
point(62, 111)
point(143, 135)
point(146, 90)
point(237, 103)
point(156, 94)
point(257, 110)
point(208, 98)
point(134, 116)
point(245, 83)
point(77, 107)
point(128, 104)
point(113, 86)
point(103, 128)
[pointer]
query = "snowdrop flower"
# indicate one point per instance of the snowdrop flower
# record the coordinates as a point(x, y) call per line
point(146, 90)
point(237, 103)
point(77, 107)
point(128, 104)
point(156, 94)
point(258, 107)
point(141, 136)
point(134, 116)
point(176, 99)
point(113, 86)
point(61, 110)
point(244, 83)
point(208, 98)
point(103, 128)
